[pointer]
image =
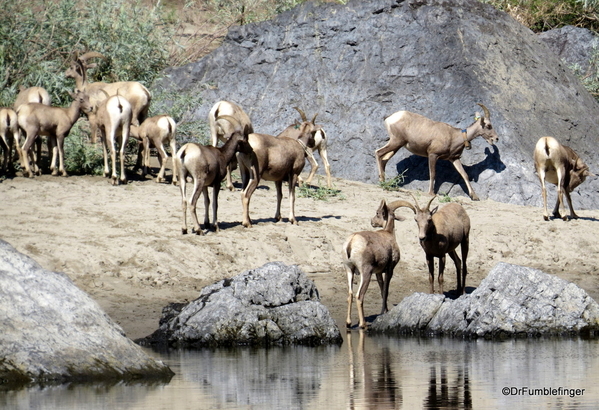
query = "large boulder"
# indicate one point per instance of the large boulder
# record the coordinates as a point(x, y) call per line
point(511, 301)
point(275, 304)
point(53, 332)
point(576, 46)
point(358, 63)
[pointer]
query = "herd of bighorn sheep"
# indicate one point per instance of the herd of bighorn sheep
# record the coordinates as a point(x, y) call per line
point(117, 111)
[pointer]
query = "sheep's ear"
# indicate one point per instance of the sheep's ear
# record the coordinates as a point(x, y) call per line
point(434, 210)
point(246, 130)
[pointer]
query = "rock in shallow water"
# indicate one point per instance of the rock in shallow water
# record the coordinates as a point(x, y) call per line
point(511, 301)
point(275, 304)
point(53, 332)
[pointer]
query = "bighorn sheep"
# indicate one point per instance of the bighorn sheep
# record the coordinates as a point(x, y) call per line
point(157, 131)
point(37, 119)
point(207, 166)
point(560, 165)
point(9, 135)
point(112, 118)
point(440, 232)
point(220, 128)
point(135, 93)
point(31, 95)
point(368, 252)
point(274, 159)
point(320, 144)
point(432, 139)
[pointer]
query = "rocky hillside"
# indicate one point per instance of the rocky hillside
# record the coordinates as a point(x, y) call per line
point(358, 63)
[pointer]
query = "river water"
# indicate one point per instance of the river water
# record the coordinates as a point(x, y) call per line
point(366, 372)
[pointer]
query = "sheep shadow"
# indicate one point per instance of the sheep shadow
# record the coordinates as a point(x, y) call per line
point(415, 168)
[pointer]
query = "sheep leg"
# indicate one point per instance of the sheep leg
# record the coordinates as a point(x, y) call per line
point(559, 203)
point(124, 139)
point(105, 148)
point(465, 246)
point(383, 155)
point(52, 150)
point(198, 189)
point(162, 157)
point(215, 191)
point(349, 271)
point(432, 163)
point(143, 154)
point(279, 186)
point(383, 280)
point(430, 261)
point(541, 173)
point(173, 153)
point(28, 156)
point(292, 182)
point(458, 166)
point(113, 159)
point(182, 188)
point(60, 143)
point(313, 167)
point(327, 167)
point(458, 267)
point(569, 200)
point(440, 278)
point(366, 273)
point(246, 195)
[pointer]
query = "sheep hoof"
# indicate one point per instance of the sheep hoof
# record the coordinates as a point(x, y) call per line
point(545, 217)
point(184, 231)
point(474, 197)
point(55, 173)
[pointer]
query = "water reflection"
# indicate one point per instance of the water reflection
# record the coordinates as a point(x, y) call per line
point(366, 372)
point(372, 379)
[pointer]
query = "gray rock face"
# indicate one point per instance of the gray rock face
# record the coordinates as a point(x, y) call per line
point(272, 305)
point(511, 301)
point(358, 63)
point(54, 332)
point(576, 46)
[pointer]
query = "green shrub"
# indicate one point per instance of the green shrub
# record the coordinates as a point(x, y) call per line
point(38, 39)
point(319, 192)
point(395, 183)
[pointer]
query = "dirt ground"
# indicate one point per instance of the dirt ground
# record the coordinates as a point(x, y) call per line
point(123, 244)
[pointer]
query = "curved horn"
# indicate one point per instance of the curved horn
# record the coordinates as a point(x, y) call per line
point(399, 204)
point(415, 201)
point(430, 202)
point(486, 111)
point(301, 113)
point(314, 118)
point(90, 54)
point(231, 119)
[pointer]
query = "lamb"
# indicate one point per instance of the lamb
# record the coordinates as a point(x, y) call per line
point(9, 135)
point(559, 165)
point(207, 166)
point(220, 128)
point(275, 159)
point(440, 232)
point(435, 140)
point(368, 252)
point(37, 119)
point(135, 93)
point(157, 131)
point(112, 118)
point(320, 144)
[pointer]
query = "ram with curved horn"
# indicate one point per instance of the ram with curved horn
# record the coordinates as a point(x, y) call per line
point(440, 232)
point(433, 140)
point(135, 93)
point(320, 144)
